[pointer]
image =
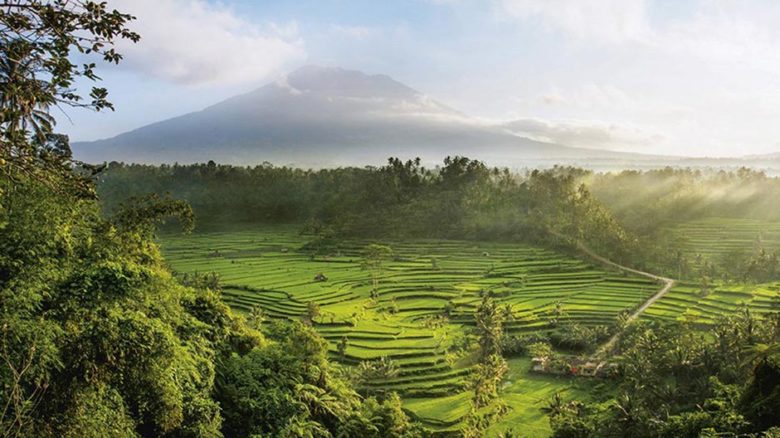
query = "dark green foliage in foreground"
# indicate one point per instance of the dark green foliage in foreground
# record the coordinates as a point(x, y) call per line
point(95, 331)
point(761, 399)
point(676, 381)
point(289, 389)
point(97, 338)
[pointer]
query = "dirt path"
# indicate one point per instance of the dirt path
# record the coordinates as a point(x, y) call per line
point(668, 283)
point(606, 348)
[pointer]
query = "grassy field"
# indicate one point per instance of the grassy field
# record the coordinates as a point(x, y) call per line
point(266, 268)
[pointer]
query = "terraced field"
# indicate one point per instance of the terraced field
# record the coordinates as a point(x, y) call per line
point(718, 240)
point(715, 239)
point(685, 302)
point(266, 268)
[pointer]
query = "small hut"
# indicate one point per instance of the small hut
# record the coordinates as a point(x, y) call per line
point(539, 364)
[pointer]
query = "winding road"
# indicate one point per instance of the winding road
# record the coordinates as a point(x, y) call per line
point(668, 283)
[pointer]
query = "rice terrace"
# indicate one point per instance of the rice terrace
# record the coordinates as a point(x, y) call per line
point(427, 293)
point(421, 312)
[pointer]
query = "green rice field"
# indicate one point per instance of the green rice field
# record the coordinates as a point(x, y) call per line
point(266, 268)
point(686, 302)
point(717, 239)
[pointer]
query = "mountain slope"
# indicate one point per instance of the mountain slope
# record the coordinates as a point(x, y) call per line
point(324, 116)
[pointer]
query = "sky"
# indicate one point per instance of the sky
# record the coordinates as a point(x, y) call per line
point(677, 77)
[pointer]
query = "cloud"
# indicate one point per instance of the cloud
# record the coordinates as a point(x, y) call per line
point(715, 30)
point(196, 43)
point(604, 20)
point(727, 32)
point(585, 134)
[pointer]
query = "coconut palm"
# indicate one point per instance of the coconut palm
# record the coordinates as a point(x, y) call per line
point(760, 352)
point(25, 100)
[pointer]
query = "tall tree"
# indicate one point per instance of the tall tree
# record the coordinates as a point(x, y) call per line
point(489, 325)
point(39, 39)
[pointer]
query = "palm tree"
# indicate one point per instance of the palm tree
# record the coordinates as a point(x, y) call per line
point(761, 352)
point(321, 402)
point(555, 406)
point(373, 259)
point(25, 100)
point(628, 413)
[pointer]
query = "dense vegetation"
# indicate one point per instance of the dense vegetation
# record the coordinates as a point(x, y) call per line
point(650, 200)
point(98, 338)
point(677, 381)
point(461, 199)
point(404, 199)
point(697, 224)
point(630, 216)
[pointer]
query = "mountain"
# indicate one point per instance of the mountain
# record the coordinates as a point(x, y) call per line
point(321, 116)
point(774, 156)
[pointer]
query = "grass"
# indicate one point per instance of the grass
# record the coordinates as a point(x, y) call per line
point(265, 267)
point(528, 394)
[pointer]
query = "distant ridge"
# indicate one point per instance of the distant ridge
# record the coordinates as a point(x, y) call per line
point(322, 116)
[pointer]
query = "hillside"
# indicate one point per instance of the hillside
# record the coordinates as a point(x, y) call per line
point(320, 116)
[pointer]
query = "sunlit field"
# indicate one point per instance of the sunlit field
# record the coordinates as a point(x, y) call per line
point(720, 240)
point(427, 295)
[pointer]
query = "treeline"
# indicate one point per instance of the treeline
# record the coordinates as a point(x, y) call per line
point(462, 198)
point(624, 216)
point(648, 203)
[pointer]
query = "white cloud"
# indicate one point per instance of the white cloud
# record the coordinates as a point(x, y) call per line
point(727, 32)
point(605, 20)
point(586, 134)
point(193, 42)
point(553, 97)
point(702, 72)
point(717, 30)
